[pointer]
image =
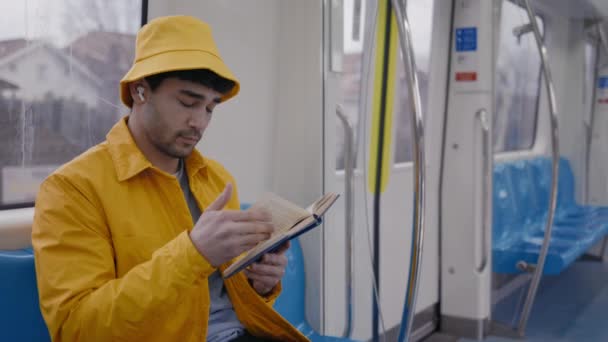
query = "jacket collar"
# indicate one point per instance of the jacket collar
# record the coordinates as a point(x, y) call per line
point(128, 159)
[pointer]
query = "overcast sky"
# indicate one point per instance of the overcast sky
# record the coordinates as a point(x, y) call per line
point(44, 19)
point(14, 18)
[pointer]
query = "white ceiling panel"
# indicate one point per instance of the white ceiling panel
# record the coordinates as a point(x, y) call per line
point(578, 9)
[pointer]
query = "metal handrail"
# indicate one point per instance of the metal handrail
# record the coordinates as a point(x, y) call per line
point(486, 160)
point(588, 140)
point(538, 269)
point(371, 11)
point(589, 125)
point(603, 40)
point(348, 216)
point(407, 53)
point(603, 37)
point(604, 43)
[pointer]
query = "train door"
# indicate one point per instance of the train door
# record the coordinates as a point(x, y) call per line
point(381, 223)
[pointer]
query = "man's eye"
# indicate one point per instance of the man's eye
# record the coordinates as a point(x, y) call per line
point(187, 105)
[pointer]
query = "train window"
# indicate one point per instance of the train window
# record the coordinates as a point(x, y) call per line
point(60, 63)
point(420, 15)
point(350, 79)
point(518, 79)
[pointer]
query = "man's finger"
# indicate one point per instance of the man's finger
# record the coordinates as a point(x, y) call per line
point(267, 270)
point(257, 215)
point(248, 228)
point(221, 200)
point(268, 281)
point(274, 259)
point(250, 240)
point(283, 248)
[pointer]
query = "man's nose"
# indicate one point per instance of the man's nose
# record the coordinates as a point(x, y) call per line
point(198, 120)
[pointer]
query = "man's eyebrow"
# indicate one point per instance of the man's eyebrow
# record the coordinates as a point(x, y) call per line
point(197, 95)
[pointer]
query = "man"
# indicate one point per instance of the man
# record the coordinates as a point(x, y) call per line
point(122, 250)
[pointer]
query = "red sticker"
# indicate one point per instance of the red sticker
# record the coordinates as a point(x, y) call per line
point(603, 101)
point(466, 76)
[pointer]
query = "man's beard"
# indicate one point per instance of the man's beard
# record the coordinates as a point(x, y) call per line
point(172, 150)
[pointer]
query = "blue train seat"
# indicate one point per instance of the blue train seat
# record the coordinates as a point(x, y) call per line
point(520, 203)
point(20, 317)
point(567, 208)
point(290, 303)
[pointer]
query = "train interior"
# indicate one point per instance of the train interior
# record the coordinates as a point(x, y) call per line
point(465, 138)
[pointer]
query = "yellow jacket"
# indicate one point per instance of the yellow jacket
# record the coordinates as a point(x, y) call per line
point(114, 261)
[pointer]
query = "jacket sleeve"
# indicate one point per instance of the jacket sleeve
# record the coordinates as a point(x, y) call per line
point(81, 298)
point(271, 297)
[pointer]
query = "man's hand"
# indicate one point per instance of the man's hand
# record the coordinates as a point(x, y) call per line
point(266, 273)
point(221, 235)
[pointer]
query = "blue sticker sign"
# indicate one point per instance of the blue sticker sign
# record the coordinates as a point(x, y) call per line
point(466, 39)
point(602, 82)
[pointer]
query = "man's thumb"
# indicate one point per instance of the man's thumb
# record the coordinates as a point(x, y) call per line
point(221, 200)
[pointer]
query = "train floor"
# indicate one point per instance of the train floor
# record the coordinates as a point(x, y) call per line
point(570, 307)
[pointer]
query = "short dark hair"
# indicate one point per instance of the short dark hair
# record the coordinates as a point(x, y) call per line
point(205, 77)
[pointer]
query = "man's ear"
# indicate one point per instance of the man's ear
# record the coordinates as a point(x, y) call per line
point(139, 90)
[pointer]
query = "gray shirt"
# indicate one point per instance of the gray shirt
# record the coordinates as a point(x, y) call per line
point(223, 323)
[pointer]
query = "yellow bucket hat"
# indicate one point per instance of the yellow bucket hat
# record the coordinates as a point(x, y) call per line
point(175, 43)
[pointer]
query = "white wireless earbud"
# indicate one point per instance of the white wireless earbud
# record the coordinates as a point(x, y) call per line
point(140, 92)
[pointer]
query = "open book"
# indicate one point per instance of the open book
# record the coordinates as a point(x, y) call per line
point(289, 221)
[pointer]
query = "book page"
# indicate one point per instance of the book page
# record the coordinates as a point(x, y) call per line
point(284, 213)
point(312, 208)
point(320, 206)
